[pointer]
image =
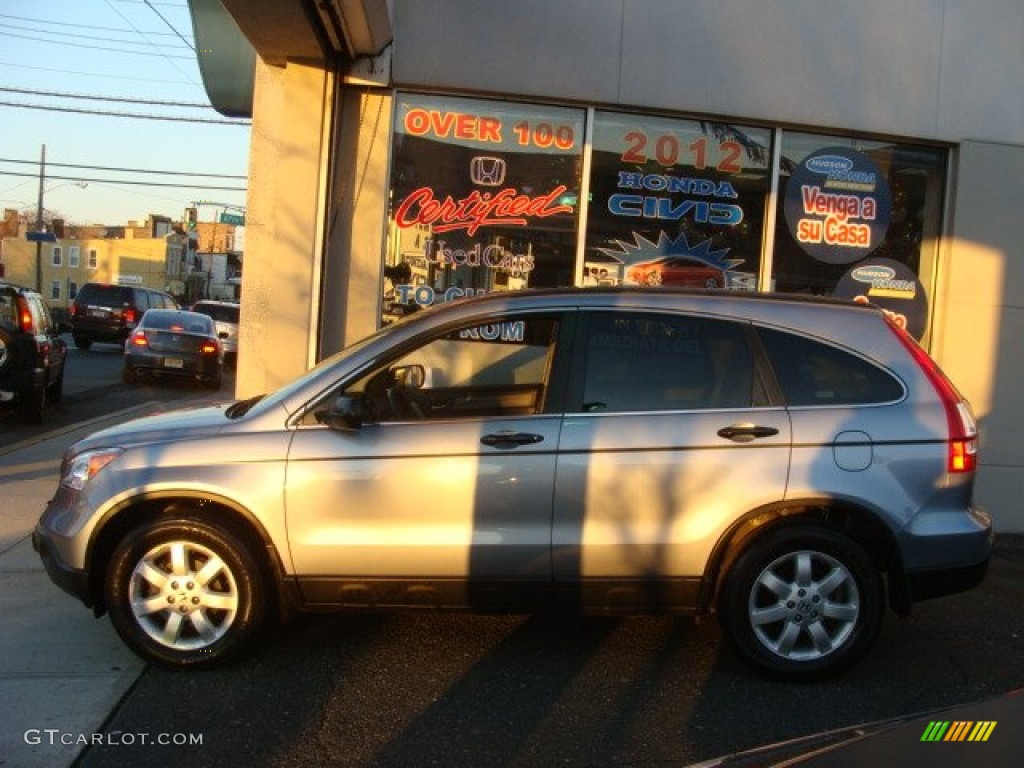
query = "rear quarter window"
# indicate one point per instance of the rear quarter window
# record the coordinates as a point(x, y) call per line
point(104, 295)
point(810, 372)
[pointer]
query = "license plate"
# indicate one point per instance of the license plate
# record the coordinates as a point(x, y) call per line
point(173, 362)
point(93, 312)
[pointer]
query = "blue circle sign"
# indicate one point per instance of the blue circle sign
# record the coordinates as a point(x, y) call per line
point(893, 287)
point(838, 205)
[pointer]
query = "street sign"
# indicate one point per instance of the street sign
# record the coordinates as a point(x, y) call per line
point(238, 219)
point(41, 237)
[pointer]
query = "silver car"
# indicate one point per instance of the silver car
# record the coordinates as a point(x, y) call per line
point(225, 316)
point(790, 464)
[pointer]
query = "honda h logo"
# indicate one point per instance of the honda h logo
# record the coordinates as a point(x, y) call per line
point(487, 171)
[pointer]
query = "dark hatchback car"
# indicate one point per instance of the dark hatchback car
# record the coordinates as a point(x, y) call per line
point(175, 343)
point(109, 313)
point(32, 353)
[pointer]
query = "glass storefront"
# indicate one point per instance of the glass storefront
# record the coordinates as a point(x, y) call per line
point(484, 197)
point(490, 196)
point(676, 202)
point(860, 220)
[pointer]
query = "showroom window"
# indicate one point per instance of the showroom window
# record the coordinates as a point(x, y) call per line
point(676, 202)
point(484, 197)
point(491, 196)
point(859, 220)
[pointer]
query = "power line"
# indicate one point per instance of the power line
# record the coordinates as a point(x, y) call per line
point(96, 47)
point(76, 26)
point(126, 114)
point(106, 39)
point(97, 74)
point(168, 59)
point(165, 21)
point(127, 181)
point(50, 164)
point(93, 97)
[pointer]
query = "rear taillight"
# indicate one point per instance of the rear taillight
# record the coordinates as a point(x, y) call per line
point(130, 316)
point(209, 348)
point(139, 339)
point(963, 429)
point(24, 316)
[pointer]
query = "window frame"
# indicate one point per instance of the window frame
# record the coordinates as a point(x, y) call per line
point(762, 394)
point(557, 369)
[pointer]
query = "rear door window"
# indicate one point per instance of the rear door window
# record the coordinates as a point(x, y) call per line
point(666, 362)
point(810, 372)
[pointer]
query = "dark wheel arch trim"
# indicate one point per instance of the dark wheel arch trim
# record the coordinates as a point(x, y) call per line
point(136, 510)
point(857, 522)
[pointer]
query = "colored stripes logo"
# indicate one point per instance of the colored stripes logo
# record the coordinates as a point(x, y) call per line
point(944, 730)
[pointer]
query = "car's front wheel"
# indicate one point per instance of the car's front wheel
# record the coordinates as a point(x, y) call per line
point(804, 602)
point(185, 593)
point(33, 404)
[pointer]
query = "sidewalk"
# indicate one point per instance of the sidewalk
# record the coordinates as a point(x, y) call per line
point(62, 672)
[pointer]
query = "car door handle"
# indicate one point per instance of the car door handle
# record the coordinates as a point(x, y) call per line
point(510, 439)
point(744, 433)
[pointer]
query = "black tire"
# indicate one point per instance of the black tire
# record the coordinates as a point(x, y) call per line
point(9, 352)
point(33, 405)
point(802, 603)
point(130, 376)
point(82, 342)
point(191, 619)
point(55, 392)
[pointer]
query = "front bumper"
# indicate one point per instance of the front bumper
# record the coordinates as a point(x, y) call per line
point(72, 580)
point(155, 364)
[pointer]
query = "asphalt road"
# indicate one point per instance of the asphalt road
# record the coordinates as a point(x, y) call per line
point(423, 689)
point(463, 690)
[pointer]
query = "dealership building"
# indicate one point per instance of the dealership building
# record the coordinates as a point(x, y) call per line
point(411, 152)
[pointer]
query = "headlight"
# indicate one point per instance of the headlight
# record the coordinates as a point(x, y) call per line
point(80, 469)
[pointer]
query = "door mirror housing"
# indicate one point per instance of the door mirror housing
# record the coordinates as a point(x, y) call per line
point(345, 413)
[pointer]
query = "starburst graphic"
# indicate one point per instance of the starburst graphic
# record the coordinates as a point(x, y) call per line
point(643, 249)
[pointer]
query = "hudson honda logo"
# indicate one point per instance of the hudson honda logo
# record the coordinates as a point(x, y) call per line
point(487, 171)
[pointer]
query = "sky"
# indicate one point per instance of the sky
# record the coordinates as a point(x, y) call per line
point(130, 50)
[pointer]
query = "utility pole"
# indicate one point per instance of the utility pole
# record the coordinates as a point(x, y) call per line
point(39, 221)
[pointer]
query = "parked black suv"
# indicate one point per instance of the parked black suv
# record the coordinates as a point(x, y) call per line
point(109, 313)
point(32, 353)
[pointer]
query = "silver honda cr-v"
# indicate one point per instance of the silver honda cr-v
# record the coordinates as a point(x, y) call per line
point(792, 464)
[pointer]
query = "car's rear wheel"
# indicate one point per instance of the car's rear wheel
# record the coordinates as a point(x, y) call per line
point(33, 404)
point(8, 350)
point(804, 602)
point(55, 392)
point(185, 593)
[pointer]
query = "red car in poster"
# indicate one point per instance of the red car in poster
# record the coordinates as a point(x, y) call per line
point(678, 271)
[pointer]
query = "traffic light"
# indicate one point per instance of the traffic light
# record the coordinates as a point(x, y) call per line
point(191, 219)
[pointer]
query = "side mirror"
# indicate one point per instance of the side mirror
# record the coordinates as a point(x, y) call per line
point(345, 414)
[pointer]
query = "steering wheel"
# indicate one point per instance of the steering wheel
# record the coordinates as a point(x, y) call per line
point(403, 406)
